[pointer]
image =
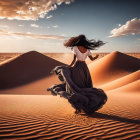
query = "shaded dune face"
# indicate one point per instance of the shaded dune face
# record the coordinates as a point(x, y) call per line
point(112, 67)
point(26, 68)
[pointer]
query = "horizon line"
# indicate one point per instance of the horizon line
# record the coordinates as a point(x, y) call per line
point(64, 52)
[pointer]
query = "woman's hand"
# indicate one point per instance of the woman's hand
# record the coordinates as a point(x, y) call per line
point(93, 58)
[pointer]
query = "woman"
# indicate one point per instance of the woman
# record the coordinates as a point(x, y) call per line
point(76, 80)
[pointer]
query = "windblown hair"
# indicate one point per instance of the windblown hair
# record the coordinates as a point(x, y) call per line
point(81, 40)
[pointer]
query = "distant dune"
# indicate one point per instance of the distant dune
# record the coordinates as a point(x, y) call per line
point(112, 67)
point(26, 68)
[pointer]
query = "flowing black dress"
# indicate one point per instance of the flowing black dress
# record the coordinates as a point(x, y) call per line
point(77, 88)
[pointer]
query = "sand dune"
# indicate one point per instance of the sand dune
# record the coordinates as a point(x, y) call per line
point(50, 117)
point(112, 67)
point(30, 72)
point(26, 68)
point(36, 72)
point(132, 77)
point(133, 87)
point(29, 67)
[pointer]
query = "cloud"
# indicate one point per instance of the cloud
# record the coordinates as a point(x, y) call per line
point(28, 9)
point(50, 16)
point(131, 27)
point(55, 26)
point(30, 35)
point(35, 25)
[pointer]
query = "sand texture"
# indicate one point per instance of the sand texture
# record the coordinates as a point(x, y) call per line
point(50, 117)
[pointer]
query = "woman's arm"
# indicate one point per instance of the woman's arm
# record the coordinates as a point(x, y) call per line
point(72, 61)
point(93, 58)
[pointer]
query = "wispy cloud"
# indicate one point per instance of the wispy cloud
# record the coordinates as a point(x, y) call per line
point(131, 27)
point(28, 9)
point(35, 25)
point(50, 16)
point(4, 33)
point(55, 26)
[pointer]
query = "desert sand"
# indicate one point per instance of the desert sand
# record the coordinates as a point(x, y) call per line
point(43, 116)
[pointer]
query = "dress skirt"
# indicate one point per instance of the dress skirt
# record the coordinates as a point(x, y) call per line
point(77, 87)
point(80, 75)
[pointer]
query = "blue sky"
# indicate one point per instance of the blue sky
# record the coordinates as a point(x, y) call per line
point(22, 31)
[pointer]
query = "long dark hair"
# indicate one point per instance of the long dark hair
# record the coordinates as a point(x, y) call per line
point(81, 40)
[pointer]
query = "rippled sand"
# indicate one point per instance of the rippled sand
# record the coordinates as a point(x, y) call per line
point(52, 117)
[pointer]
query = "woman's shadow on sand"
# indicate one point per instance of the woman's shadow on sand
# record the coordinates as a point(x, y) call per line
point(112, 117)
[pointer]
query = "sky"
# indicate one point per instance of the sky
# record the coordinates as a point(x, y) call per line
point(44, 25)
